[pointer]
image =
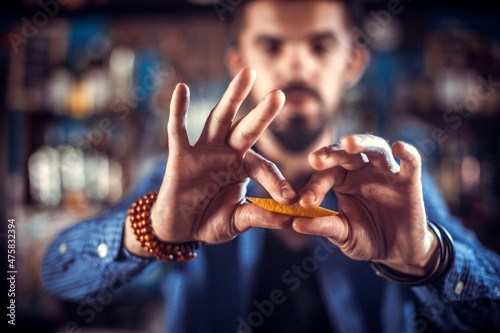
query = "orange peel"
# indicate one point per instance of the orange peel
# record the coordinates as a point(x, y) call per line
point(292, 210)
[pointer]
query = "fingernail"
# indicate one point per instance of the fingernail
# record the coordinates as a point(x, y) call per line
point(280, 92)
point(288, 193)
point(364, 158)
point(309, 196)
point(358, 139)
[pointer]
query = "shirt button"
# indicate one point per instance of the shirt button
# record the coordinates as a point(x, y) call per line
point(459, 288)
point(62, 248)
point(102, 250)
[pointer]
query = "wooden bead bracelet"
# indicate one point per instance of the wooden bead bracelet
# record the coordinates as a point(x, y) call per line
point(139, 217)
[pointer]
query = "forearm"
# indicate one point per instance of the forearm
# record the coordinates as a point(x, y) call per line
point(89, 257)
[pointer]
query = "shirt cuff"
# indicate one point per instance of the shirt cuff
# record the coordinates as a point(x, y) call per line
point(105, 241)
point(466, 281)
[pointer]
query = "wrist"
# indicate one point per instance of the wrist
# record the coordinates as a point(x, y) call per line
point(155, 218)
point(131, 244)
point(139, 218)
point(443, 266)
point(427, 262)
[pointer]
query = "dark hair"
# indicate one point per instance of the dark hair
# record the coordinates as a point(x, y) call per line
point(234, 18)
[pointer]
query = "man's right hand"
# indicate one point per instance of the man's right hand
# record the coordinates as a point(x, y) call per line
point(202, 196)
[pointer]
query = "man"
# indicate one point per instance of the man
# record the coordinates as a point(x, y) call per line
point(289, 273)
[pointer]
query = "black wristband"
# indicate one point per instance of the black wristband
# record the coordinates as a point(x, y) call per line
point(446, 261)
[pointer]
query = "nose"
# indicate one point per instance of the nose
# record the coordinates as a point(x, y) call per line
point(297, 64)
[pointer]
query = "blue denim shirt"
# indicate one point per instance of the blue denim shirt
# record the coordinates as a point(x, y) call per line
point(213, 293)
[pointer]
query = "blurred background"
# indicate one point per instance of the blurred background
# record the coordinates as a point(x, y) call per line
point(84, 93)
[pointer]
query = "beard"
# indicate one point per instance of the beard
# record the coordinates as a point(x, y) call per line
point(295, 134)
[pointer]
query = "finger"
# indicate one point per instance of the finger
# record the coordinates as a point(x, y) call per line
point(335, 155)
point(332, 227)
point(250, 215)
point(178, 142)
point(411, 161)
point(375, 148)
point(321, 182)
point(248, 130)
point(220, 119)
point(269, 176)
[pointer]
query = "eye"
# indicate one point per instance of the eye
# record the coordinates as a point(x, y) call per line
point(323, 44)
point(271, 47)
point(320, 48)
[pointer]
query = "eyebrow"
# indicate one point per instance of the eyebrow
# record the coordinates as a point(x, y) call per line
point(311, 37)
point(263, 39)
point(323, 35)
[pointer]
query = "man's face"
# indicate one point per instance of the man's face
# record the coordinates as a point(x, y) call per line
point(303, 48)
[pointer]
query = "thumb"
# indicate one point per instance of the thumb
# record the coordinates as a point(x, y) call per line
point(335, 228)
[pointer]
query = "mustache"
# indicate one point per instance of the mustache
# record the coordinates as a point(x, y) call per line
point(302, 88)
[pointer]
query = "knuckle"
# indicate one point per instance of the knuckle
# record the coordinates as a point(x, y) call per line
point(314, 184)
point(233, 100)
point(333, 147)
point(223, 119)
point(343, 239)
point(284, 223)
point(267, 166)
point(249, 136)
point(279, 183)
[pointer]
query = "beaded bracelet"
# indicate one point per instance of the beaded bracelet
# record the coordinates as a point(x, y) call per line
point(139, 216)
point(446, 261)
